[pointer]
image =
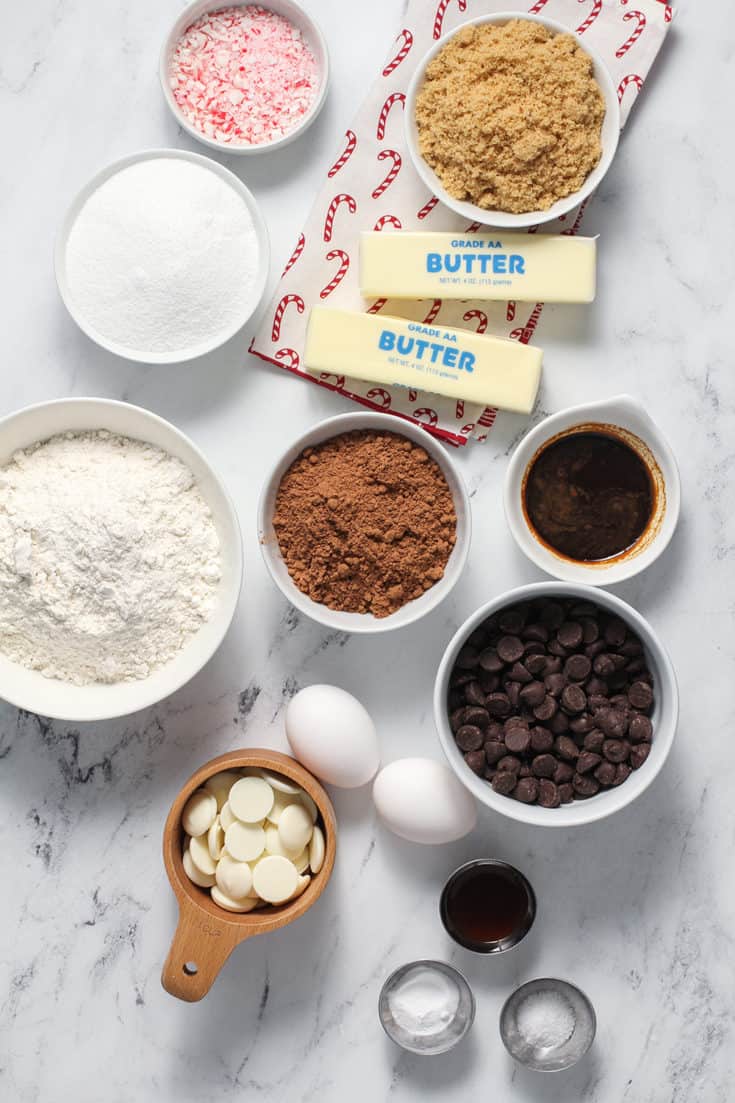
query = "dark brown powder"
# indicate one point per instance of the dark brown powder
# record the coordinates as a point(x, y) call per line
point(365, 522)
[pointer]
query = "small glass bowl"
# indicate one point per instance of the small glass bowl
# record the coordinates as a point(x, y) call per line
point(545, 1058)
point(442, 1040)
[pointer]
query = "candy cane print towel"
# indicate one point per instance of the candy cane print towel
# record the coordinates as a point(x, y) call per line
point(371, 185)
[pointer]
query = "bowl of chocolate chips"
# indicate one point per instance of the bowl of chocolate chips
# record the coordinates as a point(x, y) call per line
point(556, 704)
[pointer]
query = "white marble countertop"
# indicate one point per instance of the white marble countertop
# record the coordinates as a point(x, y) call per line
point(639, 910)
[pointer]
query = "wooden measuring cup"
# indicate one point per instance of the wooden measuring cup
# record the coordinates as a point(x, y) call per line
point(206, 934)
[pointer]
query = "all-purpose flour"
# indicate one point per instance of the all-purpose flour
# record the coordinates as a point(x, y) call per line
point(109, 557)
point(163, 257)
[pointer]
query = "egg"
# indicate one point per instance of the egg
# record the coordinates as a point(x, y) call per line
point(332, 734)
point(422, 801)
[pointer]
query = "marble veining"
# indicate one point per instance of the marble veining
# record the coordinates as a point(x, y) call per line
point(639, 910)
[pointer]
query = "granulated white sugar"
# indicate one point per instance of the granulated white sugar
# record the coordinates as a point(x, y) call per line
point(163, 257)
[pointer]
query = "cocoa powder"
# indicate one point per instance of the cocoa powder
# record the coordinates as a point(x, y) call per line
point(365, 522)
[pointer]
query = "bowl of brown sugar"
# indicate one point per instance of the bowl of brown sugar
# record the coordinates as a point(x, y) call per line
point(510, 121)
point(364, 524)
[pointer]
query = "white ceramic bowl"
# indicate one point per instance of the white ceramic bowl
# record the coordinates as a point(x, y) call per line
point(178, 355)
point(664, 716)
point(364, 622)
point(289, 10)
point(505, 219)
point(636, 428)
point(30, 690)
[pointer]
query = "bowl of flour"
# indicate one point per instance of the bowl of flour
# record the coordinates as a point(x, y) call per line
point(120, 559)
point(162, 257)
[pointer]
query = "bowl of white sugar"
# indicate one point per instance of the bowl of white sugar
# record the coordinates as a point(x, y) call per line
point(162, 257)
point(120, 559)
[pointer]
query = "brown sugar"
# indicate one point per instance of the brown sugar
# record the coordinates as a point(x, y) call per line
point(365, 522)
point(509, 117)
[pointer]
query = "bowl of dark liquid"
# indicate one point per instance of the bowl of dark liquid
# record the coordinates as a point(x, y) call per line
point(487, 906)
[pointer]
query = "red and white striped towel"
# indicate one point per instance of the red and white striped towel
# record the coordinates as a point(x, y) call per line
point(372, 185)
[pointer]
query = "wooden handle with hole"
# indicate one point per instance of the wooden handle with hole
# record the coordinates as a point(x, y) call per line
point(200, 947)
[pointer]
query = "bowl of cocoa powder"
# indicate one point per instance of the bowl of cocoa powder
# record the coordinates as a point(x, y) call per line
point(510, 121)
point(364, 524)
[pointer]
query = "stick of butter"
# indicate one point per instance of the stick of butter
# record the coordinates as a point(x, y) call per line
point(487, 265)
point(452, 362)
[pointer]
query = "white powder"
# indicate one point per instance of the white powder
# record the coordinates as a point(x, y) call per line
point(163, 257)
point(545, 1019)
point(425, 1002)
point(109, 557)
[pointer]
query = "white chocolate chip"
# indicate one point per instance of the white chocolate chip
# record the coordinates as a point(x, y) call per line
point(216, 840)
point(204, 880)
point(295, 828)
point(275, 879)
point(280, 802)
point(245, 905)
point(234, 878)
point(251, 799)
point(316, 850)
point(310, 806)
point(281, 784)
point(199, 812)
point(220, 785)
point(302, 884)
point(200, 856)
point(226, 817)
point(301, 861)
point(245, 841)
point(273, 844)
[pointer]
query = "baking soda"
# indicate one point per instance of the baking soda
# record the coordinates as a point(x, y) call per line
point(424, 1003)
point(243, 75)
point(163, 258)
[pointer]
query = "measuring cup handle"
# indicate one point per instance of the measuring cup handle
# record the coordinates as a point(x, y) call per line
point(200, 947)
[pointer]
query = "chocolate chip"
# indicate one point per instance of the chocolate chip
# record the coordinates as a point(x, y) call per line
point(555, 684)
point(476, 761)
point(548, 794)
point(469, 738)
point(527, 790)
point(639, 754)
point(592, 650)
point(546, 709)
point(474, 694)
point(605, 773)
point(566, 792)
point(559, 723)
point(535, 664)
point(513, 692)
point(467, 658)
point(537, 632)
point(532, 694)
point(564, 772)
point(570, 634)
point(479, 717)
point(603, 665)
point(573, 699)
point(613, 722)
point(541, 740)
point(593, 740)
point(494, 751)
point(488, 682)
point(509, 649)
point(577, 668)
point(584, 785)
point(509, 764)
point(504, 783)
point(615, 632)
point(551, 614)
point(640, 729)
point(566, 748)
point(557, 648)
point(615, 750)
point(587, 761)
point(512, 619)
point(518, 740)
point(640, 696)
point(622, 773)
point(581, 724)
point(543, 765)
point(497, 704)
point(490, 661)
point(590, 630)
point(519, 673)
point(596, 700)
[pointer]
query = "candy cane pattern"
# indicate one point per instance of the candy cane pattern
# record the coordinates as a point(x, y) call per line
point(344, 264)
point(412, 395)
point(281, 310)
point(487, 417)
point(571, 230)
point(427, 208)
point(377, 306)
point(431, 416)
point(433, 311)
point(668, 10)
point(394, 97)
point(441, 12)
point(510, 311)
point(295, 255)
point(596, 9)
point(290, 357)
point(332, 210)
point(406, 40)
point(472, 228)
point(525, 334)
point(345, 156)
point(395, 168)
point(381, 395)
point(387, 220)
point(476, 315)
point(537, 7)
point(459, 409)
point(467, 429)
point(640, 26)
point(632, 78)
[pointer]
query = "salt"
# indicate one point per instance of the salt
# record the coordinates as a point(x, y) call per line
point(545, 1019)
point(243, 75)
point(163, 258)
point(424, 1003)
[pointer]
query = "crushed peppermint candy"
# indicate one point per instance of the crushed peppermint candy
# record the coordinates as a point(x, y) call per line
point(243, 76)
